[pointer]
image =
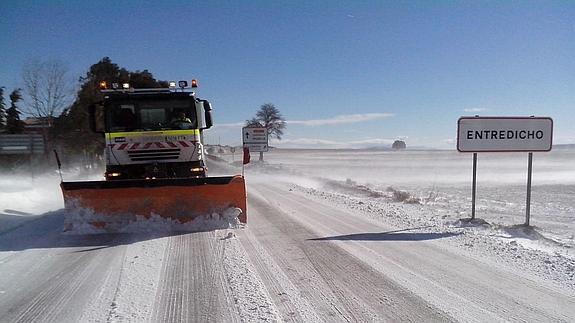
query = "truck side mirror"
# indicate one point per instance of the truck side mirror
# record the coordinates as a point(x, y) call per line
point(208, 114)
point(96, 112)
point(204, 114)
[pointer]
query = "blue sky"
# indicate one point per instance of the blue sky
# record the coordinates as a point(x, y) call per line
point(344, 74)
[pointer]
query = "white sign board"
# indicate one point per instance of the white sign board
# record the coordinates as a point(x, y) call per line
point(22, 144)
point(257, 147)
point(256, 139)
point(504, 134)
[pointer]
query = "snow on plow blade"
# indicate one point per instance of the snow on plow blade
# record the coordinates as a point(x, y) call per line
point(179, 199)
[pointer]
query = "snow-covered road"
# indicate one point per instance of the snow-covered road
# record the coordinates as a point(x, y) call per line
point(50, 277)
point(347, 267)
point(333, 283)
point(301, 258)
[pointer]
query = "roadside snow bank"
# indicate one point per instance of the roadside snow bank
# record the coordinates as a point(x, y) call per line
point(85, 221)
point(26, 196)
point(519, 235)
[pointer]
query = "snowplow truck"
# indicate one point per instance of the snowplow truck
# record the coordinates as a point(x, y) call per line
point(154, 161)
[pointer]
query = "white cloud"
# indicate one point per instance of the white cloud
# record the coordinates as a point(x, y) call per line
point(474, 109)
point(324, 143)
point(342, 119)
point(305, 142)
point(230, 125)
point(374, 141)
point(562, 139)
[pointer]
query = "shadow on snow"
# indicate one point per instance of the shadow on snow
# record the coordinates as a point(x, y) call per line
point(397, 235)
point(45, 231)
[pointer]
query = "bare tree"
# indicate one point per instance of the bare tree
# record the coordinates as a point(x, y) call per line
point(47, 87)
point(269, 117)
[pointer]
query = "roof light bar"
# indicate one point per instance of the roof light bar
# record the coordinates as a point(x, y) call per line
point(105, 86)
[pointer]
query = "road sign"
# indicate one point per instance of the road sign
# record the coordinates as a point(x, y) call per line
point(255, 135)
point(257, 147)
point(504, 134)
point(256, 139)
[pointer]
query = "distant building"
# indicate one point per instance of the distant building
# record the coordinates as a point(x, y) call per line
point(398, 144)
point(40, 126)
point(37, 125)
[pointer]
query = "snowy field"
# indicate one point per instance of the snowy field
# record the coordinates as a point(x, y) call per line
point(443, 179)
point(331, 236)
point(432, 190)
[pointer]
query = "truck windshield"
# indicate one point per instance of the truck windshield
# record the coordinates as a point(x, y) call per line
point(147, 115)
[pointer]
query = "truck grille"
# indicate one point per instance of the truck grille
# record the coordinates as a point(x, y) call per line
point(160, 154)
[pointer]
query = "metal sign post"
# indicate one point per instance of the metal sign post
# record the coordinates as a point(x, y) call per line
point(504, 134)
point(528, 202)
point(474, 186)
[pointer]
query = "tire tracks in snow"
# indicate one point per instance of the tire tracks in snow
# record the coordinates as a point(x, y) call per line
point(337, 285)
point(287, 298)
point(50, 277)
point(191, 286)
point(53, 296)
point(206, 277)
point(468, 289)
point(66, 286)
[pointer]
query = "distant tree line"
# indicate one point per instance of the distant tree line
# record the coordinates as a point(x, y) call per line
point(71, 128)
point(49, 98)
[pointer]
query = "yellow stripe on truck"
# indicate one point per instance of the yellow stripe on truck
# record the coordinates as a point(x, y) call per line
point(112, 135)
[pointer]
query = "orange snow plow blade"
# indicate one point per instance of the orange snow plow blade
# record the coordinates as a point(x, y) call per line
point(179, 199)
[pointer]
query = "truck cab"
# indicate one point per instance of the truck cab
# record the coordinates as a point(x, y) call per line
point(152, 133)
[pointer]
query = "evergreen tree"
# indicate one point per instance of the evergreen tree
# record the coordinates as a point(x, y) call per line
point(72, 127)
point(2, 110)
point(13, 123)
